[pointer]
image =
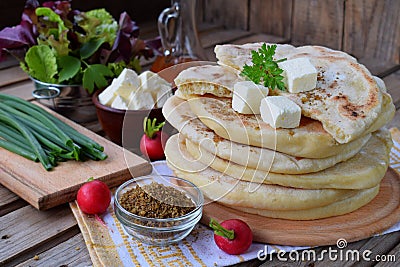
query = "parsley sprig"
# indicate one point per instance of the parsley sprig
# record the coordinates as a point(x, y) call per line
point(265, 69)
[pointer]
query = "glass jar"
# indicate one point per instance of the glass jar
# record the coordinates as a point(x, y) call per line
point(178, 32)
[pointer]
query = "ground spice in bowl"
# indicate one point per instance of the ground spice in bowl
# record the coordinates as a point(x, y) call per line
point(156, 200)
point(157, 212)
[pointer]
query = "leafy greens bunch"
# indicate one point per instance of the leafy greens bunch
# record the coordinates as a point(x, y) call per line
point(59, 45)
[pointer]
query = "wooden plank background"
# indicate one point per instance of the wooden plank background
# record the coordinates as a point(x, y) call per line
point(232, 13)
point(367, 29)
point(373, 28)
point(277, 23)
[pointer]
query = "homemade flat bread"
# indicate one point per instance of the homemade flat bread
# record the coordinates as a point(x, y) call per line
point(207, 78)
point(309, 140)
point(340, 207)
point(346, 100)
point(236, 56)
point(230, 191)
point(331, 164)
point(178, 113)
point(365, 170)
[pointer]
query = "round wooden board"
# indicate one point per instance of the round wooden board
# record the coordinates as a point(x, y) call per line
point(375, 217)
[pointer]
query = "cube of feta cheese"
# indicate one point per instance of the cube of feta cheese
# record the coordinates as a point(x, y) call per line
point(127, 82)
point(129, 77)
point(151, 81)
point(299, 75)
point(107, 96)
point(280, 112)
point(119, 103)
point(247, 97)
point(140, 100)
point(123, 85)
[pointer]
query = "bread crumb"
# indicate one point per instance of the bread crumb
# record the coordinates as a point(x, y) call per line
point(36, 257)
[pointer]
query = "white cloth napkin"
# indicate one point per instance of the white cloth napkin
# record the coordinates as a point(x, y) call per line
point(198, 249)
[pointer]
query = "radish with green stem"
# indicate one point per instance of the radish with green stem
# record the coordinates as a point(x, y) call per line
point(153, 141)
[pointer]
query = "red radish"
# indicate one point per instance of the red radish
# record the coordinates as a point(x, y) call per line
point(232, 236)
point(153, 140)
point(94, 197)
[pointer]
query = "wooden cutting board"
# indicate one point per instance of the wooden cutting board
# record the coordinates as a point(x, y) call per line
point(378, 215)
point(45, 189)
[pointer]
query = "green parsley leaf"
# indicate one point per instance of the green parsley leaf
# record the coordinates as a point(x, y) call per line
point(95, 75)
point(265, 69)
point(69, 66)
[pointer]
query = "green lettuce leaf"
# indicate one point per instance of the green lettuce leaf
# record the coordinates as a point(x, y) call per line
point(99, 24)
point(41, 63)
point(52, 31)
point(95, 75)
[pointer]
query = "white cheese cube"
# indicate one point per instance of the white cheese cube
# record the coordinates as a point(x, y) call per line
point(162, 95)
point(299, 75)
point(247, 97)
point(127, 82)
point(129, 77)
point(107, 96)
point(151, 81)
point(280, 112)
point(125, 91)
point(119, 103)
point(140, 100)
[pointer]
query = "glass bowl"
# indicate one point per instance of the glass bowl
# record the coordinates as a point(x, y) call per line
point(156, 231)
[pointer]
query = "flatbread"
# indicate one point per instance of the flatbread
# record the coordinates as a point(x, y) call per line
point(346, 100)
point(365, 170)
point(309, 140)
point(236, 56)
point(230, 191)
point(180, 116)
point(207, 78)
point(341, 207)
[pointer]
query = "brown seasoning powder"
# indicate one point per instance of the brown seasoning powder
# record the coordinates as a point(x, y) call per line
point(156, 201)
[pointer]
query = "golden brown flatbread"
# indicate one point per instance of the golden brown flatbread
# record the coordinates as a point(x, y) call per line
point(340, 207)
point(346, 100)
point(230, 191)
point(365, 170)
point(309, 140)
point(180, 116)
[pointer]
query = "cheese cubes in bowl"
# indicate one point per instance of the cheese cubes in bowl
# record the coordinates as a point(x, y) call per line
point(135, 92)
point(122, 106)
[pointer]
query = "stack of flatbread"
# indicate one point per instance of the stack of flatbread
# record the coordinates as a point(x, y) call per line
point(330, 165)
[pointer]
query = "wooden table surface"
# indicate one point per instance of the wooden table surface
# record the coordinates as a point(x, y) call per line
point(29, 237)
